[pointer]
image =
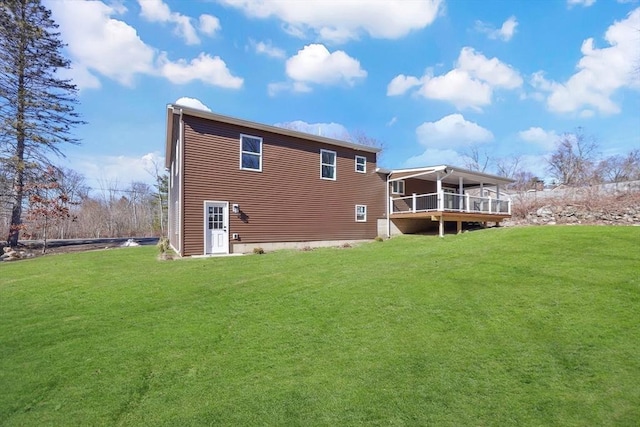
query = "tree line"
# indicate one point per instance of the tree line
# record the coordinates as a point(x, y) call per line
point(59, 205)
point(576, 162)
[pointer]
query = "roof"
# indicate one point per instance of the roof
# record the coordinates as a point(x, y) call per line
point(177, 109)
point(452, 175)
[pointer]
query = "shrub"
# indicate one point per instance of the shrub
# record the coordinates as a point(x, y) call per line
point(346, 245)
point(378, 239)
point(163, 245)
point(258, 251)
point(306, 248)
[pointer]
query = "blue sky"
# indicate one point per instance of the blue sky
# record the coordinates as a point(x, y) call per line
point(430, 79)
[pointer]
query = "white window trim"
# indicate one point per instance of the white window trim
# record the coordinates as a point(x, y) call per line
point(364, 164)
point(242, 135)
point(334, 165)
point(397, 183)
point(365, 213)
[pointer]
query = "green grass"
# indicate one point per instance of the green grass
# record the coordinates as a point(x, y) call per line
point(526, 326)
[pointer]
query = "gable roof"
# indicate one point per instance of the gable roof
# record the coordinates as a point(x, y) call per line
point(181, 109)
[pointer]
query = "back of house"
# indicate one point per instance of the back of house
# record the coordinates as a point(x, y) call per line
point(235, 185)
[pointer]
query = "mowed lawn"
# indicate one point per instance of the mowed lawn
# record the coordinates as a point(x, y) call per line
point(499, 327)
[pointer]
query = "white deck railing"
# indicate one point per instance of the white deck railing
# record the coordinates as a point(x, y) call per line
point(449, 202)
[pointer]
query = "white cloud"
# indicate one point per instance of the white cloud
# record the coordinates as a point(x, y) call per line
point(340, 21)
point(81, 76)
point(452, 131)
point(492, 71)
point(117, 172)
point(401, 83)
point(469, 85)
point(457, 87)
point(158, 11)
point(275, 88)
point(536, 135)
point(207, 69)
point(330, 130)
point(266, 48)
point(433, 157)
point(601, 72)
point(584, 3)
point(99, 44)
point(192, 103)
point(505, 32)
point(209, 24)
point(315, 64)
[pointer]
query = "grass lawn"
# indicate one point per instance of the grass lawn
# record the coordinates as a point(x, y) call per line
point(513, 326)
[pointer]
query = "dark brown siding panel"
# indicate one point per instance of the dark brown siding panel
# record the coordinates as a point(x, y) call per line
point(419, 186)
point(287, 201)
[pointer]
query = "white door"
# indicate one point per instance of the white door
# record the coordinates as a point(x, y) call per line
point(216, 225)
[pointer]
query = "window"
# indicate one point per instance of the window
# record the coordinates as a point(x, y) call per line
point(397, 187)
point(251, 153)
point(361, 164)
point(328, 164)
point(361, 213)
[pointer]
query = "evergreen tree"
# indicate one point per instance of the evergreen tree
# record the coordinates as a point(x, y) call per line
point(36, 106)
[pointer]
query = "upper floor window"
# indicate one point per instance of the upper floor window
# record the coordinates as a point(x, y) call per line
point(328, 164)
point(251, 153)
point(397, 187)
point(361, 164)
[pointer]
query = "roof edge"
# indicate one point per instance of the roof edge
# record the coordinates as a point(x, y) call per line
point(453, 169)
point(269, 128)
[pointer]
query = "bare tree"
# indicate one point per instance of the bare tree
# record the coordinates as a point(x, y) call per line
point(508, 166)
point(620, 168)
point(162, 198)
point(574, 160)
point(476, 160)
point(48, 205)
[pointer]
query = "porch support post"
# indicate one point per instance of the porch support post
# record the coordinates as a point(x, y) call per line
point(441, 226)
point(459, 227)
point(413, 202)
point(439, 192)
point(467, 202)
point(460, 192)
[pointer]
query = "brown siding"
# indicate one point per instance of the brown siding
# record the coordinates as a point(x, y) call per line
point(287, 201)
point(419, 186)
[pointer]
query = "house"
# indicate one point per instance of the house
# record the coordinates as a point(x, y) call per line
point(235, 185)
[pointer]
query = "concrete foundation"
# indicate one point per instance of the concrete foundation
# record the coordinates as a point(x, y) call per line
point(239, 248)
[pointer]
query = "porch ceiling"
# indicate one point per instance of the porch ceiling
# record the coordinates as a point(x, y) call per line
point(451, 175)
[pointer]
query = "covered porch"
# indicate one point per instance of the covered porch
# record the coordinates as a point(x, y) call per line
point(445, 194)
